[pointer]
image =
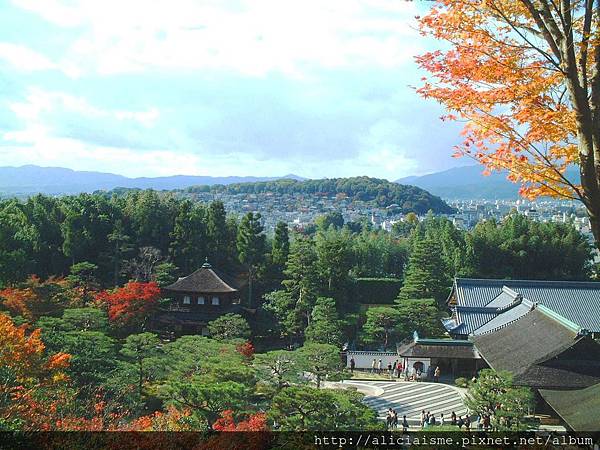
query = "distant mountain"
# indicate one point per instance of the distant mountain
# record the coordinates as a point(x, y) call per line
point(30, 179)
point(468, 182)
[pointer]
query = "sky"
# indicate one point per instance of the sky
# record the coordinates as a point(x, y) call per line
point(219, 87)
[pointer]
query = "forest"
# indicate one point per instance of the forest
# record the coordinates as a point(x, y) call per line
point(81, 275)
point(382, 192)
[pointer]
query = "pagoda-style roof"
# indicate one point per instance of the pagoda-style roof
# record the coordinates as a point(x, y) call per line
point(205, 280)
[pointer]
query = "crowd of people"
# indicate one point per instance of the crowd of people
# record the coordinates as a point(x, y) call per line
point(397, 370)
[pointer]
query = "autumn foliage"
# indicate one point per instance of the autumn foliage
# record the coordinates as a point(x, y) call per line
point(131, 304)
point(524, 76)
point(255, 422)
point(246, 349)
point(30, 392)
point(35, 298)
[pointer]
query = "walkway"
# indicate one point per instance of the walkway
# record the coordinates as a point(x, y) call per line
point(410, 398)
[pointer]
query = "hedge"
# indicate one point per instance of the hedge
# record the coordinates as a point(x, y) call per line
point(376, 290)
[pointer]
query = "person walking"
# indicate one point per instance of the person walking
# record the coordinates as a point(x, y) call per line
point(373, 365)
point(442, 420)
point(380, 366)
point(404, 425)
point(460, 422)
point(399, 369)
point(467, 423)
point(431, 420)
point(389, 368)
point(436, 374)
point(394, 419)
point(453, 418)
point(352, 364)
point(422, 421)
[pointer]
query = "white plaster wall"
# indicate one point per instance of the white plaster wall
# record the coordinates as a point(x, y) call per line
point(364, 360)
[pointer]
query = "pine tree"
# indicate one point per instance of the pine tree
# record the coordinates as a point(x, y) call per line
point(325, 326)
point(281, 244)
point(216, 228)
point(187, 248)
point(251, 247)
point(425, 275)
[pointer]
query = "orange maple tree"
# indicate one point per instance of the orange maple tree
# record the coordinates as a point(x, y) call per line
point(131, 304)
point(35, 297)
point(30, 392)
point(525, 77)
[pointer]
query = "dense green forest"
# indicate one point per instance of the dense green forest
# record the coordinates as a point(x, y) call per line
point(81, 275)
point(382, 192)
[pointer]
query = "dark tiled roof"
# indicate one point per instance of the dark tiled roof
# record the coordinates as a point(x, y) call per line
point(536, 349)
point(449, 349)
point(204, 280)
point(580, 409)
point(578, 302)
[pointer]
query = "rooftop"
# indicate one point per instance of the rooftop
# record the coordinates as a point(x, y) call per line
point(204, 280)
point(483, 305)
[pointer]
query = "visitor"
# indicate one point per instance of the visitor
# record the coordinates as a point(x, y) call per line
point(468, 423)
point(442, 419)
point(431, 420)
point(460, 422)
point(486, 422)
point(352, 364)
point(422, 420)
point(389, 419)
point(436, 374)
point(389, 368)
point(404, 425)
point(373, 365)
point(394, 419)
point(453, 418)
point(380, 366)
point(399, 369)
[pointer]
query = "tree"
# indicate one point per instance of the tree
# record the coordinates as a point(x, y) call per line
point(255, 422)
point(130, 305)
point(494, 394)
point(142, 268)
point(302, 277)
point(139, 348)
point(425, 275)
point(206, 398)
point(229, 326)
point(29, 377)
point(188, 238)
point(280, 248)
point(305, 408)
point(422, 316)
point(325, 326)
point(251, 247)
point(165, 273)
point(83, 275)
point(333, 219)
point(284, 308)
point(85, 319)
point(121, 247)
point(525, 76)
point(334, 262)
point(383, 325)
point(216, 229)
point(321, 360)
point(277, 368)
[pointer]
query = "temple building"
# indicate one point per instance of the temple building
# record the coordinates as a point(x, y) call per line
point(195, 300)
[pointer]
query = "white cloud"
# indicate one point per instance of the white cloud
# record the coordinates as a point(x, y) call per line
point(24, 58)
point(253, 37)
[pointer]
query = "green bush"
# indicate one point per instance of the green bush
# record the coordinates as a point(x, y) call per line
point(461, 382)
point(376, 290)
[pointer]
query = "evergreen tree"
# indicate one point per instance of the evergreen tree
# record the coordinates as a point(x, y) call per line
point(188, 238)
point(216, 229)
point(281, 244)
point(334, 263)
point(425, 275)
point(251, 247)
point(302, 276)
point(325, 326)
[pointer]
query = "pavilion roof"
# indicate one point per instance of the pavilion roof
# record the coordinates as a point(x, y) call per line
point(205, 280)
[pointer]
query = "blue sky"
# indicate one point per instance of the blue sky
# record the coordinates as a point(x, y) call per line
point(207, 87)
